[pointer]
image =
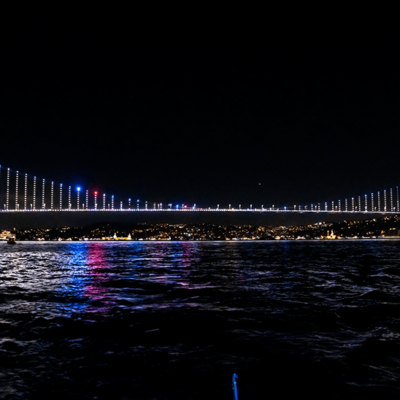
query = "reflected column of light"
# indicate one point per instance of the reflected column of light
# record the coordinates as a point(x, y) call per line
point(366, 203)
point(61, 205)
point(8, 190)
point(391, 199)
point(16, 191)
point(69, 198)
point(345, 205)
point(25, 191)
point(52, 195)
point(398, 200)
point(384, 201)
point(112, 202)
point(34, 194)
point(379, 201)
point(359, 203)
point(372, 203)
point(43, 188)
point(104, 201)
point(352, 203)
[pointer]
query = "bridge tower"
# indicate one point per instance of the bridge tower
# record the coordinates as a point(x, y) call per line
point(372, 202)
point(352, 203)
point(8, 190)
point(398, 200)
point(61, 202)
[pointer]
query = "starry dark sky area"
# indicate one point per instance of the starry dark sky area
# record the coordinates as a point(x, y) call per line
point(202, 109)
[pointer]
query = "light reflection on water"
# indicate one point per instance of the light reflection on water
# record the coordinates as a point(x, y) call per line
point(257, 308)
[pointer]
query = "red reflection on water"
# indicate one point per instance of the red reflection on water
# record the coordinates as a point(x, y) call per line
point(96, 290)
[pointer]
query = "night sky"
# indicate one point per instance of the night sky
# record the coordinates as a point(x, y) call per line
point(202, 109)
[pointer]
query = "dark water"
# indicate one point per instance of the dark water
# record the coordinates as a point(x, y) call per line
point(295, 320)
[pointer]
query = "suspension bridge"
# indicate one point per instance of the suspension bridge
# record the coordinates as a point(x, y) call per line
point(22, 193)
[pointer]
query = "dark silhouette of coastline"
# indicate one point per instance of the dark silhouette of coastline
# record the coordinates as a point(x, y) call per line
point(30, 220)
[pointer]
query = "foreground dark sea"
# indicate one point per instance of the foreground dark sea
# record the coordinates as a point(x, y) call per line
point(159, 320)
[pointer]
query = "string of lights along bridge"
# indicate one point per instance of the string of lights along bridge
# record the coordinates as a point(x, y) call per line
point(22, 193)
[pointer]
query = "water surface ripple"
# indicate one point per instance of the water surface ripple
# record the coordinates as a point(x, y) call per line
point(159, 320)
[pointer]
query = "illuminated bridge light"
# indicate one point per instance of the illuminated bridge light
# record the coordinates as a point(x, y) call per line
point(52, 195)
point(43, 192)
point(379, 201)
point(16, 191)
point(34, 194)
point(78, 190)
point(61, 202)
point(384, 201)
point(352, 203)
point(104, 201)
point(25, 190)
point(391, 200)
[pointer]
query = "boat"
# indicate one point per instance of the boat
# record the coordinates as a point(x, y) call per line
point(11, 240)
